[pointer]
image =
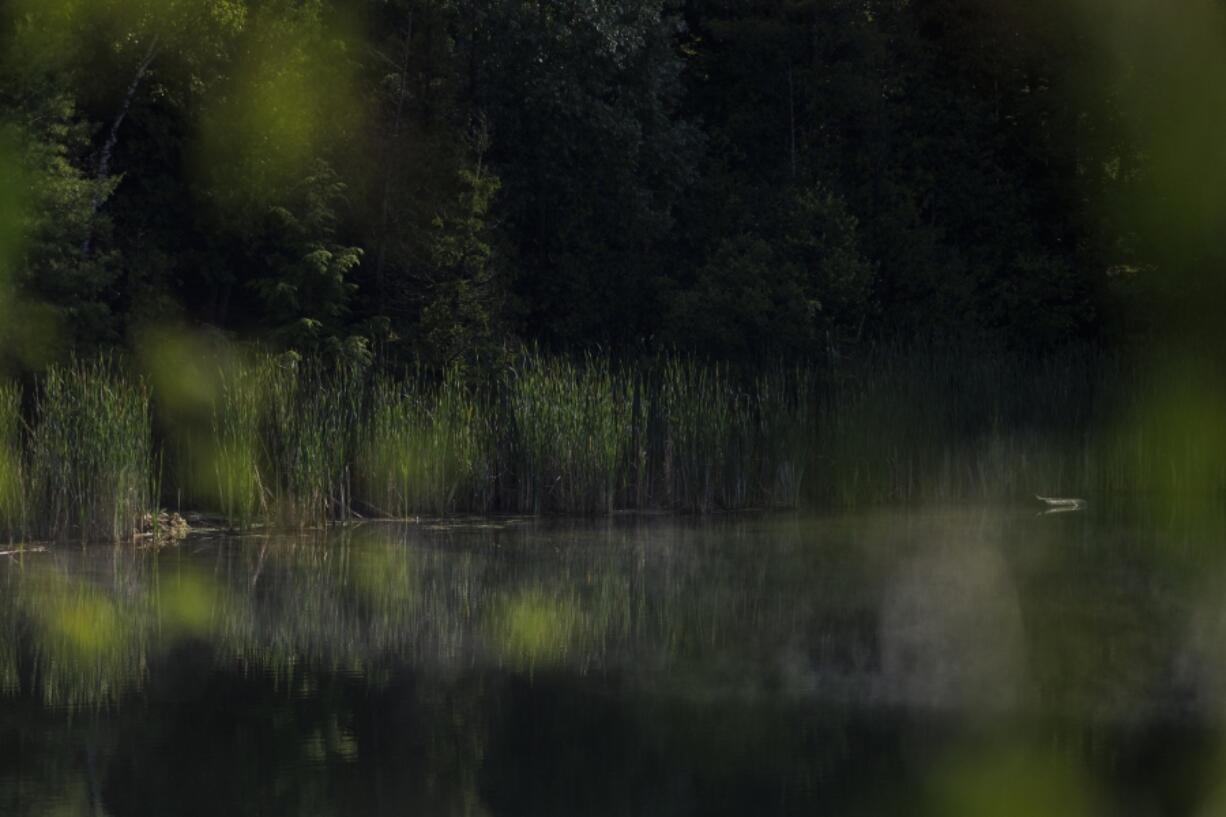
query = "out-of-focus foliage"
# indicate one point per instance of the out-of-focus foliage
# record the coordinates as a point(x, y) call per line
point(534, 629)
point(1166, 72)
point(284, 98)
point(1011, 781)
point(750, 663)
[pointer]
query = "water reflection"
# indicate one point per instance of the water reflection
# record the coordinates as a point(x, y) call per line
point(951, 630)
point(891, 662)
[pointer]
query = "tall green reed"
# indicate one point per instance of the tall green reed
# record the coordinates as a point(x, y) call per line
point(572, 424)
point(285, 433)
point(312, 429)
point(12, 466)
point(91, 462)
point(784, 406)
point(699, 409)
point(428, 447)
point(234, 450)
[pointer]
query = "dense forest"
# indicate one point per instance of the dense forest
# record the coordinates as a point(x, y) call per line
point(443, 179)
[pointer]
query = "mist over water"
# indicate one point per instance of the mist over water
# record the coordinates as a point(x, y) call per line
point(975, 660)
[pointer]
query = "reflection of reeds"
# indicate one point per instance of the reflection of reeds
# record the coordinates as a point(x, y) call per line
point(829, 607)
point(91, 640)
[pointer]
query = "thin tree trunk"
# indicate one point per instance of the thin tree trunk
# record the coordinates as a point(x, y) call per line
point(792, 120)
point(112, 138)
point(388, 175)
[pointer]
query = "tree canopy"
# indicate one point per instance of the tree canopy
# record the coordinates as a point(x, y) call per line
point(736, 178)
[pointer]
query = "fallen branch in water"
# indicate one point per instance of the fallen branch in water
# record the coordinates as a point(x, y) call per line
point(1059, 502)
point(19, 551)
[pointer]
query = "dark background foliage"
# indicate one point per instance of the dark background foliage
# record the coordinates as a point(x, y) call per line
point(443, 179)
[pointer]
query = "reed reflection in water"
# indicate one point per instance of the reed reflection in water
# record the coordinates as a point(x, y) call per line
point(944, 661)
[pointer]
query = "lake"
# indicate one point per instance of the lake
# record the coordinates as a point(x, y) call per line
point(943, 661)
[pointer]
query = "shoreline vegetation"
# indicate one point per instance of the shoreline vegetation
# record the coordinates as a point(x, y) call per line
point(91, 448)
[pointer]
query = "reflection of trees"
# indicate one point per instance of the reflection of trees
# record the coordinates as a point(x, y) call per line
point(394, 665)
point(374, 649)
point(827, 608)
point(951, 631)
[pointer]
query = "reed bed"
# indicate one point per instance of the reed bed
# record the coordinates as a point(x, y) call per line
point(312, 432)
point(237, 414)
point(426, 447)
point(571, 428)
point(702, 419)
point(933, 426)
point(89, 469)
point(303, 442)
point(12, 468)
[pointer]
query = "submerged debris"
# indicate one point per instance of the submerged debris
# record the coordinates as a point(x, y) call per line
point(164, 528)
point(23, 550)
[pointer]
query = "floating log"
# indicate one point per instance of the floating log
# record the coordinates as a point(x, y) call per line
point(1062, 503)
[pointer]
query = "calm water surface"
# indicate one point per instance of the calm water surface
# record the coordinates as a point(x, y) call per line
point(943, 662)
